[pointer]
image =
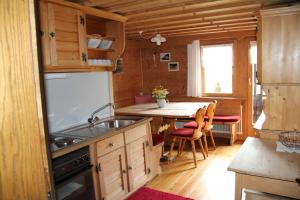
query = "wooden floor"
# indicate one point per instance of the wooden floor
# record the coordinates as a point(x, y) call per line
point(209, 181)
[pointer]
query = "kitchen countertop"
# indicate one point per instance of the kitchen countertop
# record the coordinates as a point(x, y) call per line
point(87, 141)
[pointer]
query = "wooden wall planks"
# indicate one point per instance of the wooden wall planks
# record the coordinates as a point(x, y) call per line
point(128, 83)
point(23, 159)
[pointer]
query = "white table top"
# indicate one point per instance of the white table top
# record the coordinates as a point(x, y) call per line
point(258, 157)
point(173, 110)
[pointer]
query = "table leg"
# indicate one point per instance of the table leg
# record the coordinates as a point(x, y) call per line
point(238, 186)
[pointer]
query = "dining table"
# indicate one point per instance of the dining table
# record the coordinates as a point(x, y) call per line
point(168, 114)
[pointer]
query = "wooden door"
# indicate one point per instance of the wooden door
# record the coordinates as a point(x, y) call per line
point(112, 175)
point(63, 36)
point(137, 160)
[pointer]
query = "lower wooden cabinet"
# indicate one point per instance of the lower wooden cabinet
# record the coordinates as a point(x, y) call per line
point(123, 163)
point(112, 172)
point(137, 160)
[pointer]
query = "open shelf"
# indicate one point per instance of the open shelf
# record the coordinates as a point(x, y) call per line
point(96, 36)
point(99, 49)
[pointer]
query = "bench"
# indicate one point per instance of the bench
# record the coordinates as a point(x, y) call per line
point(231, 121)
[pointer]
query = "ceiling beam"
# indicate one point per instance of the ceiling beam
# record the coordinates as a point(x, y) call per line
point(195, 25)
point(93, 3)
point(201, 29)
point(228, 24)
point(189, 21)
point(144, 5)
point(192, 8)
point(203, 13)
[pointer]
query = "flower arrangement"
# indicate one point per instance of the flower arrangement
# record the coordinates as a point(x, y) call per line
point(160, 92)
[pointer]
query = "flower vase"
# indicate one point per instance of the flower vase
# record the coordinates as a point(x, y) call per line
point(161, 103)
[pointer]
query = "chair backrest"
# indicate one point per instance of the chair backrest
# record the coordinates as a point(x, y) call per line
point(210, 113)
point(143, 99)
point(199, 119)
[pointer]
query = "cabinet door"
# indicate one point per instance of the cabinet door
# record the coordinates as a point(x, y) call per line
point(64, 35)
point(281, 47)
point(281, 108)
point(137, 160)
point(112, 175)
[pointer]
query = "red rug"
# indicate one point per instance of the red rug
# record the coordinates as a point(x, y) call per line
point(145, 193)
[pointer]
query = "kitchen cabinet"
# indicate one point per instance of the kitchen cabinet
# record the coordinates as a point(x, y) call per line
point(137, 153)
point(280, 108)
point(65, 30)
point(123, 162)
point(63, 36)
point(279, 72)
point(113, 175)
point(279, 46)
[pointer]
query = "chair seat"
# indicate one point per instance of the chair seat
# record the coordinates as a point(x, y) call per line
point(183, 132)
point(227, 118)
point(157, 139)
point(224, 118)
point(192, 124)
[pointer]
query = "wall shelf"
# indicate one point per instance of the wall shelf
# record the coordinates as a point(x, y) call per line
point(88, 68)
point(99, 49)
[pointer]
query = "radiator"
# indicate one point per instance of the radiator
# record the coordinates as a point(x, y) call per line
point(218, 128)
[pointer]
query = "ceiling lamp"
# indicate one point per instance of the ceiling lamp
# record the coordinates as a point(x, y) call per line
point(158, 39)
point(155, 37)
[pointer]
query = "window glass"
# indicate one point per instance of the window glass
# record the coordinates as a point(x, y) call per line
point(217, 62)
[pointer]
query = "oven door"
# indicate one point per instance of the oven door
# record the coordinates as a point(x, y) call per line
point(77, 187)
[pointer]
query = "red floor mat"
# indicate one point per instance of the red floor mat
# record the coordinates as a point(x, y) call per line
point(145, 193)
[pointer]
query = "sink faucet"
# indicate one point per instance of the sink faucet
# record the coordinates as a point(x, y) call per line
point(92, 119)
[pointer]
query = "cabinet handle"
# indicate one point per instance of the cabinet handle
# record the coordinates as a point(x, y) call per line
point(98, 168)
point(148, 170)
point(110, 144)
point(124, 171)
point(52, 35)
point(147, 143)
point(83, 55)
point(129, 168)
point(82, 21)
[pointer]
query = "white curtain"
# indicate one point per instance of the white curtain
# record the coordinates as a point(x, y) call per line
point(194, 69)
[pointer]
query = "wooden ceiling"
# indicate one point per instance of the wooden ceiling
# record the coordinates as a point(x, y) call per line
point(173, 18)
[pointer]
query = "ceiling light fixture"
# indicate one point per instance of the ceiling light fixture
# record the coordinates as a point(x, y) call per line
point(155, 37)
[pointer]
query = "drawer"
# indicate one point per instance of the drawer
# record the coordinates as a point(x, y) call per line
point(109, 144)
point(135, 133)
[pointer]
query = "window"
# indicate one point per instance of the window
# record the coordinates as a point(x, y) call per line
point(217, 62)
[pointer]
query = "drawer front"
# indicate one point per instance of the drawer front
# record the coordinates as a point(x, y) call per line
point(109, 144)
point(135, 133)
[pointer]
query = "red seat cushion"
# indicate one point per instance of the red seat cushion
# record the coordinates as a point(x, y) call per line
point(192, 124)
point(157, 139)
point(183, 132)
point(142, 99)
point(226, 118)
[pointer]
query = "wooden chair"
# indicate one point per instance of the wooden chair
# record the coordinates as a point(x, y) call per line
point(207, 126)
point(191, 134)
point(140, 99)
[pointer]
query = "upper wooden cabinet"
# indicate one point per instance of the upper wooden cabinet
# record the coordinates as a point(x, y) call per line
point(65, 30)
point(63, 36)
point(279, 45)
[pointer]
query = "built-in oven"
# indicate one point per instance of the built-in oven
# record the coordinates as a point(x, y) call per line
point(73, 176)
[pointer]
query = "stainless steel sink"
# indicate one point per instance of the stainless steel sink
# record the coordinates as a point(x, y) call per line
point(116, 123)
point(89, 130)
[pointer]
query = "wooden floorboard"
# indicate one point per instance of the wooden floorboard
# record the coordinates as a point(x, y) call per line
point(209, 181)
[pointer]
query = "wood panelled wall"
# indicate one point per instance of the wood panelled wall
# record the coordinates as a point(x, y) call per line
point(128, 83)
point(155, 73)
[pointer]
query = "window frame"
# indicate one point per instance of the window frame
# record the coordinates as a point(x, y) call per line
point(206, 94)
